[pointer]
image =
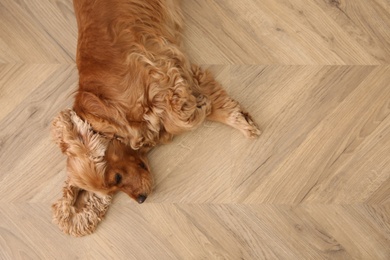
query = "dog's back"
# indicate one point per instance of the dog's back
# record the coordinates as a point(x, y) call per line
point(123, 47)
point(110, 30)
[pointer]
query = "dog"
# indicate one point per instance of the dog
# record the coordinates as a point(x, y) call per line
point(137, 89)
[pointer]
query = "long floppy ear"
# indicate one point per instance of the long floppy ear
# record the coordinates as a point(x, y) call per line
point(82, 218)
point(61, 127)
point(76, 137)
point(84, 147)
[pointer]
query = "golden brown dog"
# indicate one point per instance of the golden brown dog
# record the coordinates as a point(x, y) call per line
point(137, 89)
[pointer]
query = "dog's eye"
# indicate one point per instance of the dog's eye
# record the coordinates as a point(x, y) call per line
point(118, 178)
point(142, 165)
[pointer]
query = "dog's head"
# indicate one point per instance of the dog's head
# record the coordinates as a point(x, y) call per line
point(99, 164)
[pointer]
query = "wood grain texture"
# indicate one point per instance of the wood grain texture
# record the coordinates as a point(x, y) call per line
point(315, 75)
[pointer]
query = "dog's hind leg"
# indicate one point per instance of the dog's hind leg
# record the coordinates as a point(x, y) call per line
point(224, 109)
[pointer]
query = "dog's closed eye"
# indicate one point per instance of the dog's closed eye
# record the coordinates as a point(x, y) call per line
point(142, 165)
point(118, 178)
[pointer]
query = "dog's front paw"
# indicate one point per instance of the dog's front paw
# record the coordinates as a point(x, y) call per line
point(141, 142)
point(136, 143)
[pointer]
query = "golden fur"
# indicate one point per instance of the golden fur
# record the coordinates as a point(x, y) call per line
point(79, 212)
point(137, 89)
point(94, 160)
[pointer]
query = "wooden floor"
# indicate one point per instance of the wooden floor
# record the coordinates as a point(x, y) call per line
point(315, 75)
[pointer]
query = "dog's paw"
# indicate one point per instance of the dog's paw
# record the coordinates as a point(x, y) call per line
point(137, 143)
point(252, 131)
point(244, 122)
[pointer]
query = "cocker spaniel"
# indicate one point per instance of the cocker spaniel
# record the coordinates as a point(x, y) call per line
point(137, 89)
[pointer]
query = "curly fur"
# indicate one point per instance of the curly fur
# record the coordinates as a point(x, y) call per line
point(85, 149)
point(82, 219)
point(135, 79)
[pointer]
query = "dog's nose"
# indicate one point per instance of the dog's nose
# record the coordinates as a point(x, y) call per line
point(141, 199)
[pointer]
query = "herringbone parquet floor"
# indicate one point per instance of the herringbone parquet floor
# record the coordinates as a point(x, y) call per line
point(315, 75)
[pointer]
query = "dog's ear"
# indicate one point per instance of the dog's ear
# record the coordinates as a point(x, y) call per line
point(61, 127)
point(79, 220)
point(76, 137)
